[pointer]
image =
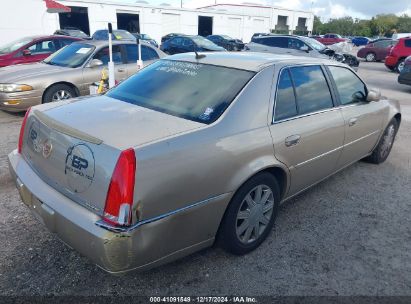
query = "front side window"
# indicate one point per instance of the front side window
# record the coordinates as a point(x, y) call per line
point(295, 44)
point(350, 88)
point(42, 47)
point(407, 43)
point(281, 42)
point(147, 53)
point(285, 106)
point(311, 88)
point(182, 89)
point(104, 55)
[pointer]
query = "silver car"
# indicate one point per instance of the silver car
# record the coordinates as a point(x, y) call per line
point(68, 73)
point(194, 149)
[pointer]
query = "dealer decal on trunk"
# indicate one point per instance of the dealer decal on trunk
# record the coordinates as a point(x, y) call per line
point(79, 168)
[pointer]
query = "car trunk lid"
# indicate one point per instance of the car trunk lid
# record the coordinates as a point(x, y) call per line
point(74, 148)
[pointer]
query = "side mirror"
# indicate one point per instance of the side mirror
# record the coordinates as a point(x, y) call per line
point(374, 95)
point(26, 52)
point(95, 63)
point(305, 48)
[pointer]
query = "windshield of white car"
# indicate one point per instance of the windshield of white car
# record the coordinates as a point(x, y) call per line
point(15, 45)
point(71, 56)
point(316, 45)
point(194, 91)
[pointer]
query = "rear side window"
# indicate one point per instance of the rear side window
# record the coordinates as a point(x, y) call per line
point(407, 43)
point(285, 106)
point(350, 88)
point(311, 88)
point(281, 42)
point(147, 53)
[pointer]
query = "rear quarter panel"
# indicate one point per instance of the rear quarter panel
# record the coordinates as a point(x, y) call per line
point(214, 160)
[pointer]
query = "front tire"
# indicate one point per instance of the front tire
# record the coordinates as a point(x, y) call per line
point(59, 92)
point(400, 66)
point(384, 146)
point(250, 215)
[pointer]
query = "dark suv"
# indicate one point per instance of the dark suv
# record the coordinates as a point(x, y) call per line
point(184, 44)
point(298, 46)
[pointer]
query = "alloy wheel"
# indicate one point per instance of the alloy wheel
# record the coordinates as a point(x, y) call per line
point(370, 57)
point(61, 95)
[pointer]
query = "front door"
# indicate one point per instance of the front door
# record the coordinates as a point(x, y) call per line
point(363, 120)
point(38, 51)
point(308, 131)
point(91, 75)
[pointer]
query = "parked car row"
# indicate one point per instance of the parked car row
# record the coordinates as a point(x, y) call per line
point(298, 46)
point(193, 151)
point(68, 72)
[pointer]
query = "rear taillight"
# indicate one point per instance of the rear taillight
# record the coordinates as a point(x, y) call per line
point(120, 193)
point(23, 126)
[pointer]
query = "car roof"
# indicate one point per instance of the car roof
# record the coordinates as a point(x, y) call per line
point(251, 61)
point(99, 43)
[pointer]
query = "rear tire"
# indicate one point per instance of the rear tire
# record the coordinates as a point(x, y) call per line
point(250, 215)
point(58, 92)
point(384, 146)
point(370, 57)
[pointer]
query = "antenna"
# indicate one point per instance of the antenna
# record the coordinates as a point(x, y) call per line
point(199, 56)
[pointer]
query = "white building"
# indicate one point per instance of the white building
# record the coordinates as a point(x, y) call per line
point(21, 18)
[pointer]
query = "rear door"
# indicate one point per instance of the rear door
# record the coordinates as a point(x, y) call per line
point(307, 130)
point(363, 120)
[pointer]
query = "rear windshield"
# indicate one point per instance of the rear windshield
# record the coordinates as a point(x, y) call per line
point(193, 91)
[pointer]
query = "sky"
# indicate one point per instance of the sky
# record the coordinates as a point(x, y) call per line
point(363, 9)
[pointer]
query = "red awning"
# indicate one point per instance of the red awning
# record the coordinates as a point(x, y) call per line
point(55, 7)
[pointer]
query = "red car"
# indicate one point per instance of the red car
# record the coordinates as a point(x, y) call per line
point(329, 39)
point(32, 49)
point(376, 50)
point(396, 56)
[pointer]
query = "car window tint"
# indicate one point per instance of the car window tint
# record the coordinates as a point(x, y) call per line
point(43, 47)
point(295, 44)
point(104, 56)
point(187, 42)
point(64, 42)
point(312, 91)
point(350, 88)
point(407, 43)
point(183, 89)
point(285, 104)
point(177, 41)
point(147, 53)
point(281, 42)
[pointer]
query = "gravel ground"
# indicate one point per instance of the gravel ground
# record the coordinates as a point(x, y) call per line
point(350, 235)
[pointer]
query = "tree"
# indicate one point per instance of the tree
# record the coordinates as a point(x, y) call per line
point(318, 26)
point(383, 24)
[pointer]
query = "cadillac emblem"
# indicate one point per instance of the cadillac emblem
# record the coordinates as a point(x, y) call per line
point(47, 148)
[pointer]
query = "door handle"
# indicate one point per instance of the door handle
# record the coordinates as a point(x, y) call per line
point(352, 121)
point(121, 70)
point(292, 140)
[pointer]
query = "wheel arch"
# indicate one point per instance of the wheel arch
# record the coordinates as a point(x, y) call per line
point(71, 85)
point(278, 171)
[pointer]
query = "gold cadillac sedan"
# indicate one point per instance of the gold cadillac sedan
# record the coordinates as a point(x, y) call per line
point(194, 149)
